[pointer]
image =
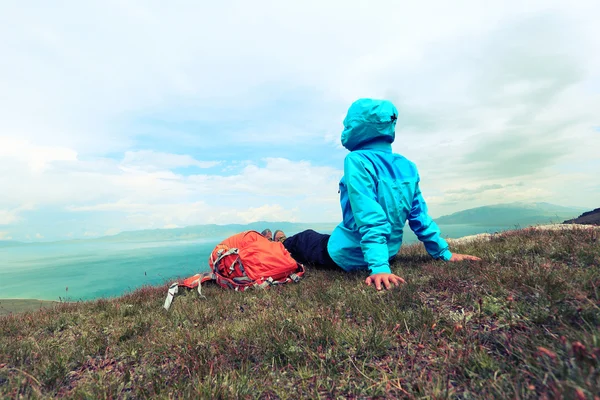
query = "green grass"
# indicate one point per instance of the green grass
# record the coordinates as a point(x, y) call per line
point(9, 306)
point(522, 324)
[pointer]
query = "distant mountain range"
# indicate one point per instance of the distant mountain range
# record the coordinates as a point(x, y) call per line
point(587, 218)
point(512, 214)
point(213, 231)
point(507, 215)
point(194, 232)
point(7, 243)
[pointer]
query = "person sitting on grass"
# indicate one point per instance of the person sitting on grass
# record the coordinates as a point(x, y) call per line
point(379, 192)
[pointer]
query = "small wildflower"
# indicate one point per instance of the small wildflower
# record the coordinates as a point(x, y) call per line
point(546, 352)
point(579, 350)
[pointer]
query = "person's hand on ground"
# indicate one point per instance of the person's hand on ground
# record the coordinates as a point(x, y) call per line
point(463, 257)
point(384, 281)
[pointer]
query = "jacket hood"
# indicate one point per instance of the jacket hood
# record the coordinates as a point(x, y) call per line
point(369, 120)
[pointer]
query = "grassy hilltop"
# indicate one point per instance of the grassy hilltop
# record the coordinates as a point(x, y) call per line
point(8, 306)
point(522, 324)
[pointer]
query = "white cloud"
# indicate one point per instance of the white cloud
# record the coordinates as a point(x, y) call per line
point(292, 191)
point(5, 235)
point(91, 77)
point(8, 217)
point(149, 160)
point(112, 231)
point(515, 83)
point(527, 114)
point(11, 216)
point(268, 212)
point(36, 157)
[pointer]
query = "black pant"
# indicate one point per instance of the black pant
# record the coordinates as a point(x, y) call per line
point(310, 247)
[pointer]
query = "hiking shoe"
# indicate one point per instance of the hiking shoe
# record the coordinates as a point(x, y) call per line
point(279, 236)
point(268, 234)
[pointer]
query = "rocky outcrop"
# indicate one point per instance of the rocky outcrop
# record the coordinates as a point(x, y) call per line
point(489, 236)
point(587, 218)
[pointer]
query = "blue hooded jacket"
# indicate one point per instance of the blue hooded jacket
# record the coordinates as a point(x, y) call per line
point(379, 192)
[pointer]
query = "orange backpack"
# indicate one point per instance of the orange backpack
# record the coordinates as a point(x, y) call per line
point(242, 261)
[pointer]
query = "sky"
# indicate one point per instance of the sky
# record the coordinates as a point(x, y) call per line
point(126, 115)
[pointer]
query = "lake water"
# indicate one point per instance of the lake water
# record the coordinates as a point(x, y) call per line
point(89, 269)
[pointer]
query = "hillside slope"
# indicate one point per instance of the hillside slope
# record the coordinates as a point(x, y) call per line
point(511, 215)
point(9, 306)
point(587, 218)
point(521, 324)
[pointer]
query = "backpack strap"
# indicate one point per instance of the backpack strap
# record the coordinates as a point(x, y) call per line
point(192, 282)
point(295, 277)
point(173, 290)
point(222, 255)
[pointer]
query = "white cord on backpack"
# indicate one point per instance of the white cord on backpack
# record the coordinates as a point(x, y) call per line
point(200, 289)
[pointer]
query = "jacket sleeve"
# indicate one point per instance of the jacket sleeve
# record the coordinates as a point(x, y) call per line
point(426, 229)
point(369, 216)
